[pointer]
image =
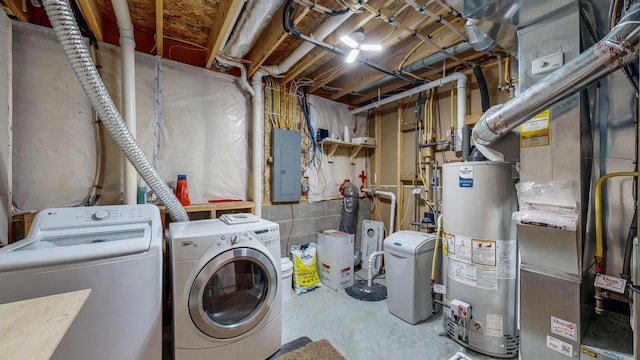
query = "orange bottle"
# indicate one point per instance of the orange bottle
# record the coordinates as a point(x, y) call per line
point(182, 192)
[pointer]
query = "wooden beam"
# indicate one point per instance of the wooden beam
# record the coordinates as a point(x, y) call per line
point(15, 8)
point(92, 14)
point(423, 51)
point(160, 27)
point(221, 23)
point(399, 156)
point(396, 84)
point(377, 158)
point(443, 40)
point(272, 36)
point(355, 22)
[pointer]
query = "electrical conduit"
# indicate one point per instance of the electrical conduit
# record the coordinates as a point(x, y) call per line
point(128, 86)
point(66, 29)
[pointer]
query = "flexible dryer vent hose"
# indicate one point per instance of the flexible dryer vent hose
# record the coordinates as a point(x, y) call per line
point(68, 33)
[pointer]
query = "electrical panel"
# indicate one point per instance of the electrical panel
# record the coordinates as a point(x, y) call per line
point(286, 175)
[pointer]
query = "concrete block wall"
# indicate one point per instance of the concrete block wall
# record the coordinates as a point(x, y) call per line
point(299, 223)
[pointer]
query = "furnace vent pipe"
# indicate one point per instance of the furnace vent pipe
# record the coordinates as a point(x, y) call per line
point(615, 50)
point(68, 34)
point(250, 24)
point(128, 89)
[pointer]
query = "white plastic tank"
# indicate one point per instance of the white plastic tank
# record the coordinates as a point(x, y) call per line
point(287, 276)
point(408, 256)
point(480, 256)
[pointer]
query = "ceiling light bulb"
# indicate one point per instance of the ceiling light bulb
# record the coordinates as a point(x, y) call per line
point(368, 47)
point(352, 56)
point(349, 41)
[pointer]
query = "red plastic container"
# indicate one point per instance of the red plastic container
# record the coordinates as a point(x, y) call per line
point(182, 192)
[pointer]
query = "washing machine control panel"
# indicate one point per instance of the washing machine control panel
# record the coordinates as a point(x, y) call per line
point(73, 217)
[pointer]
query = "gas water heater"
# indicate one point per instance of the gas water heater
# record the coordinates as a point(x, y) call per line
point(480, 257)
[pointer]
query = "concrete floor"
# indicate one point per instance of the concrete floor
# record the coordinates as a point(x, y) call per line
point(363, 330)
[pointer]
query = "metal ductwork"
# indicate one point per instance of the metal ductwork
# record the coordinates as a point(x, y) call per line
point(251, 23)
point(618, 48)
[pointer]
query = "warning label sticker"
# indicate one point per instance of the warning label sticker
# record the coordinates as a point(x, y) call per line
point(507, 259)
point(563, 328)
point(465, 176)
point(483, 252)
point(463, 248)
point(479, 276)
point(494, 325)
point(559, 346)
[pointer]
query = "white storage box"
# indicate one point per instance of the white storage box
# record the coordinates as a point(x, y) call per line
point(335, 258)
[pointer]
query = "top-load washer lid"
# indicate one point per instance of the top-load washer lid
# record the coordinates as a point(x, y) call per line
point(70, 235)
point(408, 242)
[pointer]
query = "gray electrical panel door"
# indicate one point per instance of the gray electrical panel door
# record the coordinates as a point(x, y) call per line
point(286, 165)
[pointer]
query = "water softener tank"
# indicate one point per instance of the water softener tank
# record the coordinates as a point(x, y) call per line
point(480, 257)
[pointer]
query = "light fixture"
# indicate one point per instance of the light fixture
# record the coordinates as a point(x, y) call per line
point(354, 41)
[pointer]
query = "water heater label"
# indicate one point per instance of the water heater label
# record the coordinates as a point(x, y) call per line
point(495, 325)
point(559, 346)
point(507, 259)
point(484, 252)
point(465, 175)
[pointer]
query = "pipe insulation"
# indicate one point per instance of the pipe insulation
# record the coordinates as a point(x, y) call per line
point(68, 33)
point(617, 49)
point(251, 23)
point(128, 86)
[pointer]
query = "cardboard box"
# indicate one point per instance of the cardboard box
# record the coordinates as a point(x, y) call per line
point(335, 258)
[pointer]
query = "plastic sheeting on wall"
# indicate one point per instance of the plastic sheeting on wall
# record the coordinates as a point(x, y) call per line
point(203, 130)
point(324, 177)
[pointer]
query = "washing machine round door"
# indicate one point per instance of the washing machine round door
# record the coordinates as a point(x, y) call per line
point(233, 293)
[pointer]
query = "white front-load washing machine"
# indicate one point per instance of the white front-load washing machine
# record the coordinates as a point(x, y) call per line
point(226, 290)
point(116, 251)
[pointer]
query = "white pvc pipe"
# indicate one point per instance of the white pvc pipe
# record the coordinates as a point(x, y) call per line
point(128, 86)
point(370, 272)
point(322, 32)
point(243, 73)
point(461, 104)
point(390, 195)
point(258, 141)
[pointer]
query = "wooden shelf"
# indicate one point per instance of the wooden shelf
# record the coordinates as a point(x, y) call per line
point(335, 144)
point(209, 210)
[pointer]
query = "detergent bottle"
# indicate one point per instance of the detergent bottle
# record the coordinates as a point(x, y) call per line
point(182, 193)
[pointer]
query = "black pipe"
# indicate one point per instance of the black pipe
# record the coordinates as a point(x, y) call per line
point(482, 84)
point(466, 142)
point(628, 248)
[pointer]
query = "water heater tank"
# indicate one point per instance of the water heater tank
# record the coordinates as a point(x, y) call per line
point(480, 257)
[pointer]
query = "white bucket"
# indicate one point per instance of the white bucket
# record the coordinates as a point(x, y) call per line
point(287, 275)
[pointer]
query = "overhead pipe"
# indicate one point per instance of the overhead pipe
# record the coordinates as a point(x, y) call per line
point(391, 196)
point(617, 49)
point(426, 62)
point(461, 80)
point(320, 34)
point(128, 86)
point(68, 33)
point(257, 95)
point(423, 10)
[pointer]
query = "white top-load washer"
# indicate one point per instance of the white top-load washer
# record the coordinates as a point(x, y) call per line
point(226, 289)
point(116, 251)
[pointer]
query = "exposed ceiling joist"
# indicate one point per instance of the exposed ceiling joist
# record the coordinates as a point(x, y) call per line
point(221, 23)
point(447, 39)
point(159, 27)
point(92, 14)
point(15, 8)
point(272, 36)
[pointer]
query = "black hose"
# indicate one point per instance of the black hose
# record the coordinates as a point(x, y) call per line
point(628, 247)
point(484, 91)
